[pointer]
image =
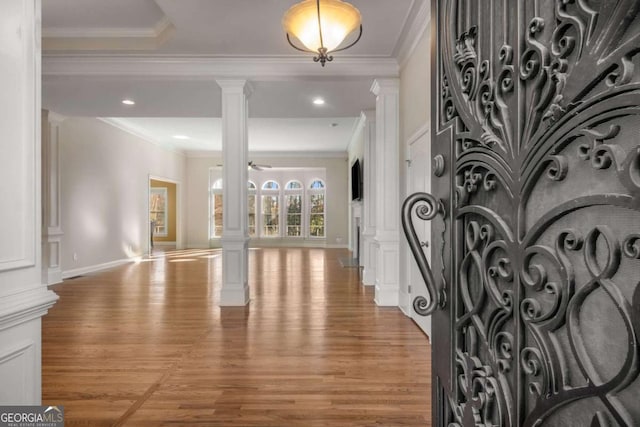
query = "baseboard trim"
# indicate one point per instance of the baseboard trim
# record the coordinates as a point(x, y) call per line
point(405, 303)
point(200, 246)
point(162, 243)
point(275, 243)
point(53, 277)
point(386, 297)
point(97, 267)
point(368, 277)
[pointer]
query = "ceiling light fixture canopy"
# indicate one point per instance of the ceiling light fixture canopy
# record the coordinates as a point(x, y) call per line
point(321, 26)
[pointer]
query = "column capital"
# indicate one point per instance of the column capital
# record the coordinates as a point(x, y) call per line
point(385, 86)
point(238, 86)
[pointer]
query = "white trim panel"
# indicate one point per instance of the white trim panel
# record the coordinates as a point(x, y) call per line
point(20, 160)
point(16, 371)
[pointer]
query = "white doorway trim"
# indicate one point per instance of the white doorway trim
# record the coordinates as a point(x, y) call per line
point(179, 236)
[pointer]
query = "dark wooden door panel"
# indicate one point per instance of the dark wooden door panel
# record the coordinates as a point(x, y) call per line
point(536, 250)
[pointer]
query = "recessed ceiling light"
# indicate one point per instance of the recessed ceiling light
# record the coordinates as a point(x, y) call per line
point(180, 136)
point(318, 101)
point(128, 102)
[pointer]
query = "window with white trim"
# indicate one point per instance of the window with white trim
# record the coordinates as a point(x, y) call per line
point(293, 205)
point(286, 203)
point(270, 209)
point(251, 208)
point(316, 196)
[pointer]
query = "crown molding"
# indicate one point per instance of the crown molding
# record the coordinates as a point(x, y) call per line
point(413, 31)
point(202, 154)
point(114, 122)
point(299, 154)
point(385, 86)
point(112, 39)
point(259, 68)
point(163, 27)
point(55, 118)
point(97, 33)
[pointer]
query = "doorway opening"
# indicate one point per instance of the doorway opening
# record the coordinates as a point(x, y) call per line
point(163, 215)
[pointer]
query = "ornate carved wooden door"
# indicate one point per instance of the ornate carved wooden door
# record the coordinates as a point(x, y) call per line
point(535, 278)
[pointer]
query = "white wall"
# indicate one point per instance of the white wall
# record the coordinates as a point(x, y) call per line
point(104, 184)
point(336, 198)
point(415, 89)
point(198, 200)
point(415, 93)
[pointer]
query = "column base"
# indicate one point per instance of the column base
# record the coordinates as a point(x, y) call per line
point(20, 348)
point(370, 253)
point(386, 297)
point(235, 267)
point(369, 277)
point(234, 297)
point(387, 273)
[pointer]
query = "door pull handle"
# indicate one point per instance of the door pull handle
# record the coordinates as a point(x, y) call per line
point(428, 207)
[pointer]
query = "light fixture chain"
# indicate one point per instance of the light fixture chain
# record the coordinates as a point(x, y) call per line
point(320, 27)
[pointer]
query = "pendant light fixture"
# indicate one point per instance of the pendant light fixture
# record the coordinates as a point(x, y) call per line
point(321, 26)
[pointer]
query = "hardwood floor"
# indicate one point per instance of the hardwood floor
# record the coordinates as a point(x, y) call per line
point(147, 345)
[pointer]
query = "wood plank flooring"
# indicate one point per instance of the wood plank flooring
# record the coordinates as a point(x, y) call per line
point(146, 344)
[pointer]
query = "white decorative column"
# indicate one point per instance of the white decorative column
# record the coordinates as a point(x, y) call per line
point(235, 233)
point(369, 200)
point(387, 186)
point(51, 227)
point(24, 298)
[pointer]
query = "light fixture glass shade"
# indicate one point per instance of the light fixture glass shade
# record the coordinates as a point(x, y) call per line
point(337, 18)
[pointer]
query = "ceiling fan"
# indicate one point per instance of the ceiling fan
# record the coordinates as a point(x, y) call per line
point(254, 166)
point(258, 167)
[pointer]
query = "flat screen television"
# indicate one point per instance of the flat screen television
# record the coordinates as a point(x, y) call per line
point(356, 181)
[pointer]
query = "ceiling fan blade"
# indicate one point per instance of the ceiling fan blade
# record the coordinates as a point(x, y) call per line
point(253, 166)
point(257, 167)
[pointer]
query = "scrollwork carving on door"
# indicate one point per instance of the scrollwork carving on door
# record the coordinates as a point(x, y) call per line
point(538, 106)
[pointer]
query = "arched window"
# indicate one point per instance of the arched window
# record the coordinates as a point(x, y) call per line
point(316, 197)
point(251, 207)
point(270, 185)
point(215, 223)
point(270, 209)
point(293, 185)
point(317, 184)
point(293, 206)
point(280, 203)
